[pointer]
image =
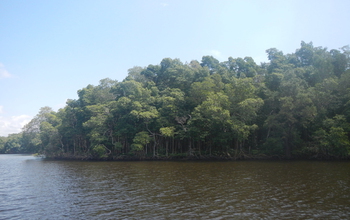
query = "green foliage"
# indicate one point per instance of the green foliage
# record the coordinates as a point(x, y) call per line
point(296, 105)
point(273, 146)
point(167, 131)
point(99, 151)
point(273, 81)
point(136, 147)
point(12, 144)
point(332, 140)
point(2, 144)
point(142, 138)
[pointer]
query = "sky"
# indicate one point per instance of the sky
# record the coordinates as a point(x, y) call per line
point(51, 49)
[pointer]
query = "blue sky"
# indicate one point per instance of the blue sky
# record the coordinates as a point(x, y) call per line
point(51, 49)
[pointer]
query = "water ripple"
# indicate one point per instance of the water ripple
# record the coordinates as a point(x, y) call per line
point(37, 189)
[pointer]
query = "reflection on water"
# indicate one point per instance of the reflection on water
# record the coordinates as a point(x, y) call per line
point(32, 188)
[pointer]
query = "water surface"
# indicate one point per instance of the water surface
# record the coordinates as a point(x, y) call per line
point(33, 188)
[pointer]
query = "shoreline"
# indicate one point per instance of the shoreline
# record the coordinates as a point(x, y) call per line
point(194, 158)
point(186, 158)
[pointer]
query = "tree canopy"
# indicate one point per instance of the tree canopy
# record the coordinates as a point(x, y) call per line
point(294, 106)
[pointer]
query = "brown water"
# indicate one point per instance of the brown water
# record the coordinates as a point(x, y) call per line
point(32, 188)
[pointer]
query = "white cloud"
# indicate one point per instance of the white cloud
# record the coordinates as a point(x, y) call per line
point(12, 124)
point(164, 4)
point(3, 72)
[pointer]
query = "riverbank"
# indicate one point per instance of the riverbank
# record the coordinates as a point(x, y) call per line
point(192, 158)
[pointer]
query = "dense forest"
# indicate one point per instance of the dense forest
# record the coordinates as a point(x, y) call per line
point(294, 106)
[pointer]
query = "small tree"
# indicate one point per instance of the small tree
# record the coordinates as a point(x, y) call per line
point(167, 132)
point(140, 140)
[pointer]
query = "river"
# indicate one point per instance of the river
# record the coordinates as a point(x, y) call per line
point(34, 188)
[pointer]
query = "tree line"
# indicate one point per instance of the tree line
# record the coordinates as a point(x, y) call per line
point(294, 106)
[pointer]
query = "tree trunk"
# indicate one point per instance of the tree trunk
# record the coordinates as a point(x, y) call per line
point(154, 146)
point(287, 146)
point(236, 148)
point(166, 147)
point(287, 149)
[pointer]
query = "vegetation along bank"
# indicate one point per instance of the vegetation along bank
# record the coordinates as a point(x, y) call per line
point(294, 106)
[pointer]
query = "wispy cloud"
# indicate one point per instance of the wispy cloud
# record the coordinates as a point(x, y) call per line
point(3, 72)
point(164, 4)
point(12, 124)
